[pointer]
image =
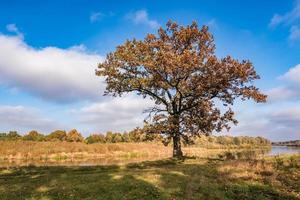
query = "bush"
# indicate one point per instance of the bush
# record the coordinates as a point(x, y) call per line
point(109, 137)
point(117, 137)
point(3, 136)
point(74, 136)
point(126, 137)
point(57, 135)
point(237, 141)
point(137, 135)
point(95, 138)
point(13, 135)
point(34, 136)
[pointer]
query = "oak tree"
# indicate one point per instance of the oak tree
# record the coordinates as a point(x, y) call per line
point(179, 70)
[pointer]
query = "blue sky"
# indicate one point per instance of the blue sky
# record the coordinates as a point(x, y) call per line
point(50, 49)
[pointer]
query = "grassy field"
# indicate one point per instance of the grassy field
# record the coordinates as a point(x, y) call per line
point(24, 153)
point(193, 178)
point(205, 174)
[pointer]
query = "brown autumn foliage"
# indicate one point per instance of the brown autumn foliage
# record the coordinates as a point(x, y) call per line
point(179, 70)
point(74, 136)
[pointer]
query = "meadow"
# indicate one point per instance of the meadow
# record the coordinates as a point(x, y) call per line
point(192, 178)
point(22, 152)
point(74, 170)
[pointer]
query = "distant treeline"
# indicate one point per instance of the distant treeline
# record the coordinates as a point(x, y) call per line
point(230, 140)
point(136, 135)
point(288, 143)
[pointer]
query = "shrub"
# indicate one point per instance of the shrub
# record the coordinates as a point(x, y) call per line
point(224, 140)
point(136, 135)
point(3, 136)
point(74, 136)
point(236, 141)
point(13, 135)
point(279, 162)
point(95, 138)
point(34, 136)
point(125, 137)
point(109, 137)
point(58, 135)
point(117, 137)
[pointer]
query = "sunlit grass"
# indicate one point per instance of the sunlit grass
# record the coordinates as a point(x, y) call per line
point(193, 178)
point(24, 153)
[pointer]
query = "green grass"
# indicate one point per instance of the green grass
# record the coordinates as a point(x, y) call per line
point(193, 178)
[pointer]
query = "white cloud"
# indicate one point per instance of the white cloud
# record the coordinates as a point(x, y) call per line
point(277, 122)
point(294, 33)
point(293, 75)
point(116, 114)
point(24, 118)
point(282, 93)
point(276, 19)
point(96, 16)
point(279, 118)
point(141, 17)
point(287, 18)
point(291, 89)
point(52, 73)
point(287, 117)
point(14, 29)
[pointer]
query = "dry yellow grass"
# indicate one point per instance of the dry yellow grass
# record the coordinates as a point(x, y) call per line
point(19, 153)
point(27, 150)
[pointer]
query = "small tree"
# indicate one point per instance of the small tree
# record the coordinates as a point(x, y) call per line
point(34, 136)
point(136, 135)
point(117, 137)
point(74, 136)
point(3, 136)
point(58, 135)
point(109, 137)
point(95, 138)
point(126, 137)
point(13, 135)
point(179, 71)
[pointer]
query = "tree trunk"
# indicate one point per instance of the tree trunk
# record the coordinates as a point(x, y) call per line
point(177, 153)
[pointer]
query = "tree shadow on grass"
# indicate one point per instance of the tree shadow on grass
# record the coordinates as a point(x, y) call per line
point(101, 182)
point(163, 179)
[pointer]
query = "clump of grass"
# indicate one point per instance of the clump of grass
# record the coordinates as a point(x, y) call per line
point(279, 162)
point(293, 161)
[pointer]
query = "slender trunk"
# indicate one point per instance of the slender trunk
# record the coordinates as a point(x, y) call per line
point(177, 153)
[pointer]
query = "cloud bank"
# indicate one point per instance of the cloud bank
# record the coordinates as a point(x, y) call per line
point(279, 118)
point(115, 114)
point(24, 118)
point(52, 73)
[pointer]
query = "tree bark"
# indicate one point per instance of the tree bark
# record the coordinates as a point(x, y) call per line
point(177, 152)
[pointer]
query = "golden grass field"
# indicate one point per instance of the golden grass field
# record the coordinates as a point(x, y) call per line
point(23, 153)
point(63, 170)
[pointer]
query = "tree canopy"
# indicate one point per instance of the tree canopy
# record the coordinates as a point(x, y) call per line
point(179, 70)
